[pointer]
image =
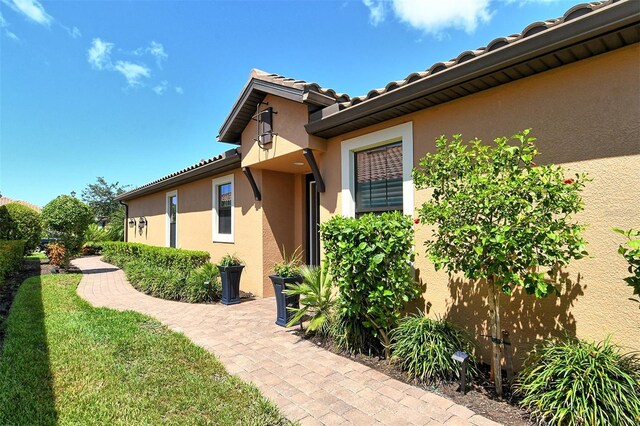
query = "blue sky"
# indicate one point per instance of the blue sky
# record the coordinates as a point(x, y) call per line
point(134, 90)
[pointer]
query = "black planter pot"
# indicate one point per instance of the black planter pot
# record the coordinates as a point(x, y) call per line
point(284, 301)
point(230, 277)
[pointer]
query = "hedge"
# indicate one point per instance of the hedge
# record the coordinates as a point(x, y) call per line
point(181, 261)
point(11, 255)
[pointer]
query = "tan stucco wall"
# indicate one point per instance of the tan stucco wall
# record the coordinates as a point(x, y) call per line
point(586, 117)
point(288, 123)
point(195, 220)
point(258, 238)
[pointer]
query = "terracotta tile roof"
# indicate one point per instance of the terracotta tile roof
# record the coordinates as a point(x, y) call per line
point(192, 168)
point(298, 84)
point(531, 29)
point(7, 200)
point(346, 101)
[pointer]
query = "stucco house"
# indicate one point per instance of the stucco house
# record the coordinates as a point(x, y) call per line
point(305, 153)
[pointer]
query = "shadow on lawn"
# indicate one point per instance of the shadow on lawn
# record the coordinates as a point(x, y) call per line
point(26, 388)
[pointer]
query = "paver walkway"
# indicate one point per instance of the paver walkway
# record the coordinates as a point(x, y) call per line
point(308, 383)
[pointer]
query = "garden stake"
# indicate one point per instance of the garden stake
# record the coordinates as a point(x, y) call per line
point(508, 355)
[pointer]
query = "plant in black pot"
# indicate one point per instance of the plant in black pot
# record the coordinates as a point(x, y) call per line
point(286, 274)
point(230, 268)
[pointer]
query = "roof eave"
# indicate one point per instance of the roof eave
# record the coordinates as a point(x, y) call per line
point(229, 162)
point(589, 26)
point(263, 88)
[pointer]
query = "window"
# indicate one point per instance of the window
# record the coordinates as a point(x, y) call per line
point(378, 179)
point(223, 209)
point(376, 172)
point(172, 218)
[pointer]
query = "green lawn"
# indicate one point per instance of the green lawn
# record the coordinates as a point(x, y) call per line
point(36, 255)
point(65, 362)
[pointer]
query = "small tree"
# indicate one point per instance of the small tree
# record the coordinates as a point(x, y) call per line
point(67, 218)
point(100, 197)
point(500, 219)
point(22, 223)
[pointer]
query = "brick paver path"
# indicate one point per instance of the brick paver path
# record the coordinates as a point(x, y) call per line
point(308, 383)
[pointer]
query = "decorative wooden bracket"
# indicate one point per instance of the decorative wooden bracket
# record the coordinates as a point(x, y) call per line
point(252, 182)
point(308, 155)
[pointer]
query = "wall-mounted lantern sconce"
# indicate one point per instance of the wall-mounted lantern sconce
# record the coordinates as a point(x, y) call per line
point(132, 222)
point(264, 127)
point(142, 223)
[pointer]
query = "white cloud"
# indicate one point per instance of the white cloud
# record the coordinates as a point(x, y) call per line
point(433, 16)
point(161, 88)
point(74, 32)
point(157, 50)
point(154, 49)
point(179, 90)
point(5, 29)
point(99, 54)
point(31, 9)
point(132, 72)
point(376, 11)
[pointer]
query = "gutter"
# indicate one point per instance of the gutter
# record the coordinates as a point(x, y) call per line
point(126, 220)
point(589, 26)
point(230, 160)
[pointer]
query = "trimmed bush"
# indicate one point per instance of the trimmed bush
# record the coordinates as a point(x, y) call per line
point(423, 348)
point(574, 382)
point(67, 218)
point(200, 286)
point(21, 223)
point(11, 255)
point(370, 260)
point(182, 261)
point(167, 273)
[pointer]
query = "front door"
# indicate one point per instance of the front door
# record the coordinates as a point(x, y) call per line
point(313, 220)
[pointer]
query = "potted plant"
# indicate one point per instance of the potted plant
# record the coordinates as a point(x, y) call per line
point(286, 274)
point(230, 268)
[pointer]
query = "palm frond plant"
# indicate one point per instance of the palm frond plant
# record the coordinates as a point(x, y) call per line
point(316, 299)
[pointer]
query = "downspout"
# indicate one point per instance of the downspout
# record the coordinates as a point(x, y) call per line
point(126, 220)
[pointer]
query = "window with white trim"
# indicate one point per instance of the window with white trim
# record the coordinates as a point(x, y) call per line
point(376, 172)
point(223, 200)
point(378, 179)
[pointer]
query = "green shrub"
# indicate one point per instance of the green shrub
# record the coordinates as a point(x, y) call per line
point(574, 382)
point(96, 234)
point(316, 299)
point(631, 252)
point(290, 265)
point(67, 218)
point(181, 261)
point(203, 285)
point(230, 260)
point(423, 348)
point(200, 286)
point(11, 254)
point(370, 260)
point(20, 222)
point(57, 254)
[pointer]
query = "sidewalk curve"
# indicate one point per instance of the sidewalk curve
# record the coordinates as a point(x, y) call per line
point(308, 383)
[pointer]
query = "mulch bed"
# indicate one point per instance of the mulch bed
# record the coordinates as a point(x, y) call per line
point(480, 396)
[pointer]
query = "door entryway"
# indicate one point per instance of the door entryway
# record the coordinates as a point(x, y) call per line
point(312, 221)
